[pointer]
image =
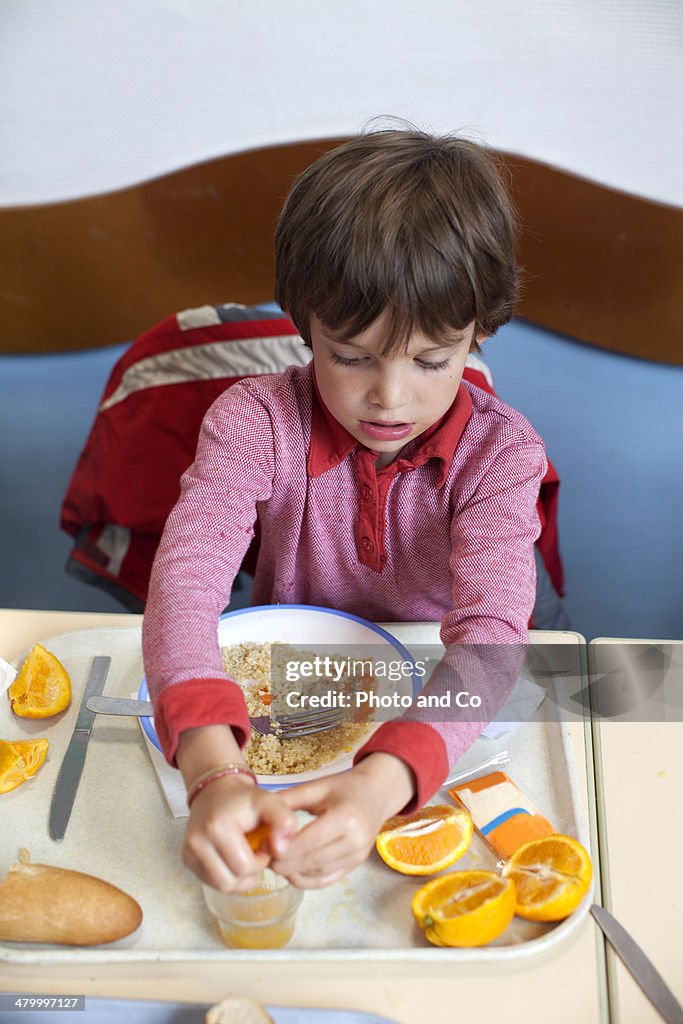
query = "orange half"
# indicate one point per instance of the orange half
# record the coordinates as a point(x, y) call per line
point(551, 876)
point(42, 688)
point(465, 908)
point(20, 761)
point(427, 841)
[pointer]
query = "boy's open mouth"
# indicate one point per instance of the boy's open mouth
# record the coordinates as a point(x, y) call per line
point(382, 431)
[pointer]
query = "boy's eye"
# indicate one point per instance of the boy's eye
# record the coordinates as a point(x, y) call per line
point(346, 362)
point(433, 366)
point(357, 360)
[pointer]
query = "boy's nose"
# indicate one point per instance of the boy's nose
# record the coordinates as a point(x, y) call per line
point(388, 391)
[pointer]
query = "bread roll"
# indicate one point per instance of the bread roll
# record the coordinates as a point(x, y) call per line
point(39, 903)
point(238, 1010)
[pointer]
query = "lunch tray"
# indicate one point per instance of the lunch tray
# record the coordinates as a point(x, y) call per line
point(122, 830)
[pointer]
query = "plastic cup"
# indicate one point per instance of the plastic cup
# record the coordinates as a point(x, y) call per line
point(263, 917)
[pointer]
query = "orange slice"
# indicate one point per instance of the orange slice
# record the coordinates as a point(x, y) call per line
point(42, 688)
point(427, 841)
point(465, 908)
point(20, 761)
point(258, 837)
point(551, 876)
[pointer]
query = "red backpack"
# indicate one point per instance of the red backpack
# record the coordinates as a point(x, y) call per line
point(144, 436)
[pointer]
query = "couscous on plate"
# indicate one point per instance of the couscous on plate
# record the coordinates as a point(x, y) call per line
point(250, 665)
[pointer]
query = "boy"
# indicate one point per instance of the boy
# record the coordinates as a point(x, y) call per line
point(384, 486)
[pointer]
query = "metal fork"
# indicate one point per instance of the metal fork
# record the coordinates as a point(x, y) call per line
point(302, 723)
point(285, 727)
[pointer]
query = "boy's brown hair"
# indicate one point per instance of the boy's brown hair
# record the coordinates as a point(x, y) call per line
point(399, 220)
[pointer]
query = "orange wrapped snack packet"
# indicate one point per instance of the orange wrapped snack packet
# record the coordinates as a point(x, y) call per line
point(501, 812)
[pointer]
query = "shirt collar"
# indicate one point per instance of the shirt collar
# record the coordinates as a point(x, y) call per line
point(331, 442)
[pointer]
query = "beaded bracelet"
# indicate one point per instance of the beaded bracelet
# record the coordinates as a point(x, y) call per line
point(219, 772)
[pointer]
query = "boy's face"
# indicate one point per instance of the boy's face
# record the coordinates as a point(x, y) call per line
point(386, 401)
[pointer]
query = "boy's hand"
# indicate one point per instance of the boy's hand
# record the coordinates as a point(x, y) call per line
point(216, 848)
point(350, 809)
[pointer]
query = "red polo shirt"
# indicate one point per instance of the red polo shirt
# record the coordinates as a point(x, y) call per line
point(445, 532)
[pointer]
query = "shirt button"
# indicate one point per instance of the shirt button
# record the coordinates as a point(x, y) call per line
point(367, 545)
point(366, 493)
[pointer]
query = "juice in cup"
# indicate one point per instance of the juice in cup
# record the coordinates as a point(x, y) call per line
point(263, 917)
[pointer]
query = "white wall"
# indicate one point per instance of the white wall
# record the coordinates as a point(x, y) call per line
point(96, 96)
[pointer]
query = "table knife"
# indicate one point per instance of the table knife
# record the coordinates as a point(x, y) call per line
point(642, 969)
point(74, 759)
point(120, 706)
point(144, 709)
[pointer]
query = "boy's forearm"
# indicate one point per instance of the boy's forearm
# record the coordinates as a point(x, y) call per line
point(205, 747)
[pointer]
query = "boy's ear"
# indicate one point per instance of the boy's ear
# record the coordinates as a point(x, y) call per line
point(477, 341)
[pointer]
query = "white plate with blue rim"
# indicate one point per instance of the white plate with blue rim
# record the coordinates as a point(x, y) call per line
point(315, 627)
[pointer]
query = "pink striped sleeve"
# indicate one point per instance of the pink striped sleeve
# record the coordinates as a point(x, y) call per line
point(485, 633)
point(494, 587)
point(204, 541)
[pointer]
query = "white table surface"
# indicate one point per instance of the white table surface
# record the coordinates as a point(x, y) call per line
point(640, 774)
point(567, 987)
